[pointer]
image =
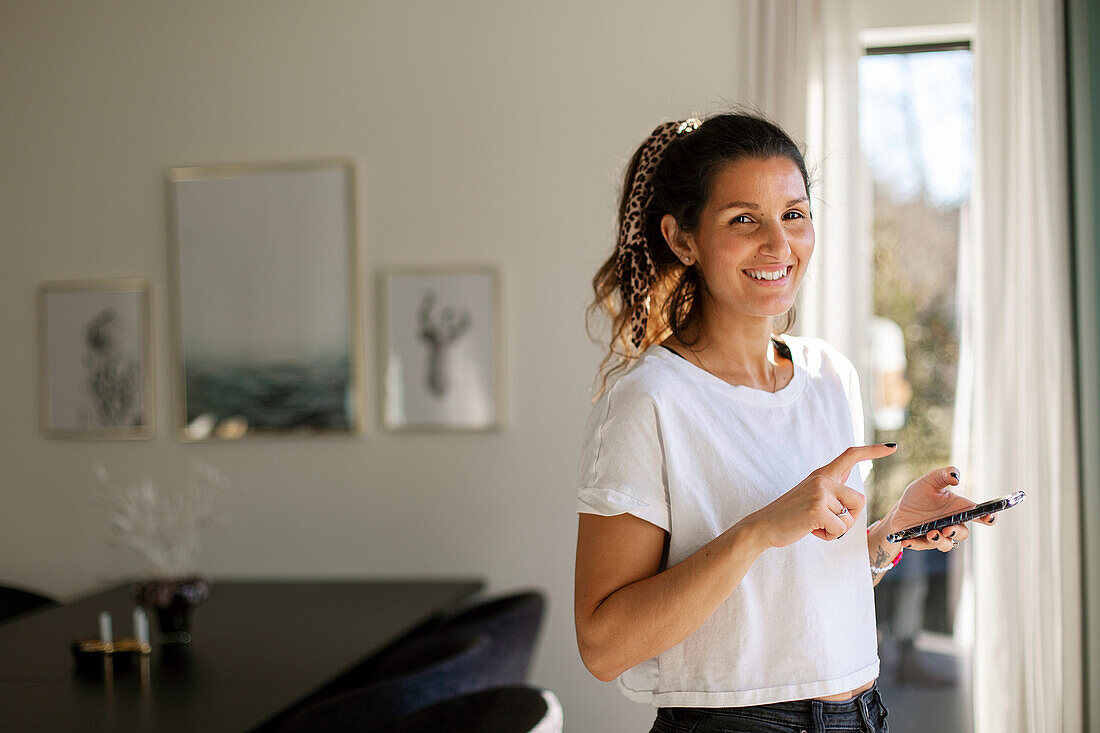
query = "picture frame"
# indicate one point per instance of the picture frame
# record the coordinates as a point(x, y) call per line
point(265, 307)
point(95, 359)
point(442, 352)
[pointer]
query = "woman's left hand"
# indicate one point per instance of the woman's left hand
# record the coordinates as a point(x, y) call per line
point(928, 498)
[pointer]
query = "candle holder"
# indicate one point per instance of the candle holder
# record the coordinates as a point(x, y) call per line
point(95, 657)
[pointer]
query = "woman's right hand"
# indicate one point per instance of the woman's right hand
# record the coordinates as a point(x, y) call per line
point(820, 504)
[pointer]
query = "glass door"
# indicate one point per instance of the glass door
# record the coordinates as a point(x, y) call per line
point(916, 126)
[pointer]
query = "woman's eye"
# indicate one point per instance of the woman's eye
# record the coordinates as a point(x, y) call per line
point(741, 219)
point(794, 215)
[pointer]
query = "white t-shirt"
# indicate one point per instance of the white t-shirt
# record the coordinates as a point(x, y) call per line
point(678, 447)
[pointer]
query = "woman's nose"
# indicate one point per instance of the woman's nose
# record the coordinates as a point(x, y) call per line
point(775, 241)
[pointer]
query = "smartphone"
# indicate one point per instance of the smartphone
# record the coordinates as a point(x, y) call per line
point(989, 507)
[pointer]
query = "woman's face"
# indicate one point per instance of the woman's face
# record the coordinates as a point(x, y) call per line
point(754, 238)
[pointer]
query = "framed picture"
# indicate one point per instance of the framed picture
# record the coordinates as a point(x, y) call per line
point(265, 306)
point(95, 358)
point(441, 349)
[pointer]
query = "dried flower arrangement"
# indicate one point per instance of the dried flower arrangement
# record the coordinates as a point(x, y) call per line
point(165, 526)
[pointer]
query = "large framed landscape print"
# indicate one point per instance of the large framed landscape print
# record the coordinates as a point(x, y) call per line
point(265, 306)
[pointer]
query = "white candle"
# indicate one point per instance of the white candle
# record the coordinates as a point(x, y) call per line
point(105, 634)
point(141, 625)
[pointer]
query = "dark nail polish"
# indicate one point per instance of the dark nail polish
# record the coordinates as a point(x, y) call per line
point(891, 445)
point(952, 535)
point(955, 475)
point(935, 537)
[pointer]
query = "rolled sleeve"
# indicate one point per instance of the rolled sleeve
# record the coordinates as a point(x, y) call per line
point(609, 503)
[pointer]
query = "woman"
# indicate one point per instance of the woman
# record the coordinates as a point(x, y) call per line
point(724, 567)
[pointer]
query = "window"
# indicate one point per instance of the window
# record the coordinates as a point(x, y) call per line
point(916, 127)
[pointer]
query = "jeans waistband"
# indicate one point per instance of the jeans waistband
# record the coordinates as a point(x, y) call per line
point(864, 712)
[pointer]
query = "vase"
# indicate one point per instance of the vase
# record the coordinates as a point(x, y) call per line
point(172, 602)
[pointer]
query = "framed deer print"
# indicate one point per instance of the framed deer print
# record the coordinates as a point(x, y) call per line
point(441, 349)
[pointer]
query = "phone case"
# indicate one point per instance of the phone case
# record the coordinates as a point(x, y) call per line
point(989, 507)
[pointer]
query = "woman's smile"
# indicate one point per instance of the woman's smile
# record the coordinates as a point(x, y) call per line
point(772, 277)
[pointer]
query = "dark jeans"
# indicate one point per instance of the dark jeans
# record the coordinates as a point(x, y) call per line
point(864, 713)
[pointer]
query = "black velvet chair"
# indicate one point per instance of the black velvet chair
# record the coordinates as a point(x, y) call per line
point(512, 624)
point(16, 601)
point(516, 709)
point(408, 678)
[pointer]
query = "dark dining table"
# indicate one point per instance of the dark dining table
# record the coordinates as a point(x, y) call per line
point(257, 649)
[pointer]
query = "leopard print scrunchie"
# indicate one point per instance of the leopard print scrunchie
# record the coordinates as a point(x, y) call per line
point(635, 266)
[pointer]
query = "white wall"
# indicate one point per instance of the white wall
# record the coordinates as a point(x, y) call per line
point(899, 14)
point(483, 131)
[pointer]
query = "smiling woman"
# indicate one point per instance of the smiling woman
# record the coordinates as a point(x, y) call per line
point(705, 583)
point(646, 274)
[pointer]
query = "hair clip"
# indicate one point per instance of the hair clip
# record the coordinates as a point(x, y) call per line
point(691, 124)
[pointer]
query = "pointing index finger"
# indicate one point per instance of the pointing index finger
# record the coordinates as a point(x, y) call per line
point(841, 466)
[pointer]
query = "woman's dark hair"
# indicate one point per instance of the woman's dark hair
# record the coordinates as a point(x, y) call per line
point(681, 186)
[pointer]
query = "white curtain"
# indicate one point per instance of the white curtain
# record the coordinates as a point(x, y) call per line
point(1018, 343)
point(801, 60)
point(1016, 407)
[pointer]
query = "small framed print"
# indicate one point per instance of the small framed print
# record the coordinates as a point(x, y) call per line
point(95, 359)
point(441, 349)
